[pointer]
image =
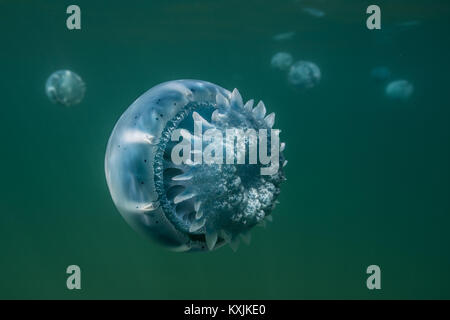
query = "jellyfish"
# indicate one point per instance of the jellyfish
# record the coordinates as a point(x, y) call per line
point(284, 36)
point(399, 90)
point(313, 12)
point(281, 61)
point(168, 191)
point(65, 87)
point(380, 73)
point(304, 75)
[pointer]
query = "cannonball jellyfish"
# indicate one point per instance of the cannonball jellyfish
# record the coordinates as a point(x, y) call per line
point(399, 90)
point(281, 61)
point(65, 87)
point(304, 75)
point(381, 73)
point(193, 204)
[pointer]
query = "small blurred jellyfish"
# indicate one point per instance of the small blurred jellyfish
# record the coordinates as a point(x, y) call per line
point(313, 12)
point(409, 24)
point(399, 90)
point(281, 61)
point(284, 36)
point(65, 87)
point(380, 74)
point(304, 75)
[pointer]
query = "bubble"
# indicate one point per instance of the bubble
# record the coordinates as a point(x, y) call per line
point(304, 75)
point(281, 61)
point(399, 90)
point(65, 87)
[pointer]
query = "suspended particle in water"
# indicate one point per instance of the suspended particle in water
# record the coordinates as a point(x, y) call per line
point(190, 205)
point(304, 75)
point(65, 87)
point(281, 61)
point(380, 73)
point(399, 90)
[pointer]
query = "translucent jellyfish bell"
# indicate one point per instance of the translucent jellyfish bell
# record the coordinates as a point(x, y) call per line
point(304, 75)
point(380, 73)
point(190, 205)
point(281, 61)
point(65, 87)
point(399, 90)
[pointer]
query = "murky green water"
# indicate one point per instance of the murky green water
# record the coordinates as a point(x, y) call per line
point(368, 178)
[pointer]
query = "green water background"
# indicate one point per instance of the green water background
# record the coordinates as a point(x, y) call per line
point(368, 178)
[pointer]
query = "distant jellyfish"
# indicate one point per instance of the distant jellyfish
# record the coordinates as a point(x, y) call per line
point(284, 36)
point(380, 73)
point(65, 87)
point(313, 12)
point(281, 61)
point(304, 75)
point(399, 90)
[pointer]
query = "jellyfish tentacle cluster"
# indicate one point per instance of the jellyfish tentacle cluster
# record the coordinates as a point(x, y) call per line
point(191, 205)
